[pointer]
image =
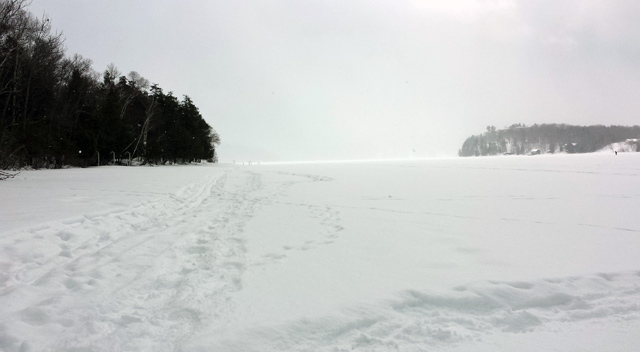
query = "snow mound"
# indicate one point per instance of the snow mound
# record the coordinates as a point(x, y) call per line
point(417, 320)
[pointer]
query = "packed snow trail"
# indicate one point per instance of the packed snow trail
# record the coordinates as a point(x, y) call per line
point(145, 278)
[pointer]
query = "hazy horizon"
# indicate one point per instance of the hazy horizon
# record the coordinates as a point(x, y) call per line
point(298, 80)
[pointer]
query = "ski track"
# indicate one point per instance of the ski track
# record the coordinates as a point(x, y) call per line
point(144, 278)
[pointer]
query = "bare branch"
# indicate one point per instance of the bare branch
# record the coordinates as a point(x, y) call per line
point(5, 175)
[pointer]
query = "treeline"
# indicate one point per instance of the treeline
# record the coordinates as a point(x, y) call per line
point(56, 110)
point(546, 138)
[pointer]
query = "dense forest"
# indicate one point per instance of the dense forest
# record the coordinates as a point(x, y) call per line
point(546, 138)
point(56, 110)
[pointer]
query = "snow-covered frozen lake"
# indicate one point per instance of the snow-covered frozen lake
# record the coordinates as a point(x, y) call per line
point(482, 254)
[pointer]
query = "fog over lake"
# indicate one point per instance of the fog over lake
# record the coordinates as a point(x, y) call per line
point(333, 80)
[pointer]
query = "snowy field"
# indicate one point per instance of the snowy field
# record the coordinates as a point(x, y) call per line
point(482, 254)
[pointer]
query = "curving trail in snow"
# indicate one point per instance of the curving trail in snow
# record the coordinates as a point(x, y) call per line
point(487, 254)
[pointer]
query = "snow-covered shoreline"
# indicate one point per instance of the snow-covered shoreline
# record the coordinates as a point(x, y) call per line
point(495, 253)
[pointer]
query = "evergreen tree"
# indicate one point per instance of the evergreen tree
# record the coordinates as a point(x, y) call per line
point(55, 111)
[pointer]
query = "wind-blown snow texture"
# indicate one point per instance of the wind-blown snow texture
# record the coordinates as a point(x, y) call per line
point(497, 253)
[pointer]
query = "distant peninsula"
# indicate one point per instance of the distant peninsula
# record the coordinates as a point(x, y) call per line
point(550, 138)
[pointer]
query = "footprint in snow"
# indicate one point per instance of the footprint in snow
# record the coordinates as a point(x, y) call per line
point(274, 256)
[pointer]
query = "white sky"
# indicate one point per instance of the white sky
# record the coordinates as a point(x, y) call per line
point(290, 80)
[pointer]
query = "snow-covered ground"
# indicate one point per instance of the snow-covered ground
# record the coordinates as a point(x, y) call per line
point(478, 254)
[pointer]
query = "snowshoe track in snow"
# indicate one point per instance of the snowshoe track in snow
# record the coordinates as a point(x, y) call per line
point(179, 257)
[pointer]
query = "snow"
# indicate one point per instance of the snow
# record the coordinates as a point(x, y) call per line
point(465, 254)
point(630, 145)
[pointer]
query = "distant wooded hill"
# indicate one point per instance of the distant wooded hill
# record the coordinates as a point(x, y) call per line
point(546, 138)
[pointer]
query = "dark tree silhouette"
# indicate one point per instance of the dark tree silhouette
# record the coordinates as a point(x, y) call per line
point(56, 110)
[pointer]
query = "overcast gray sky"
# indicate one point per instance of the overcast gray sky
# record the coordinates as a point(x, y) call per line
point(287, 80)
